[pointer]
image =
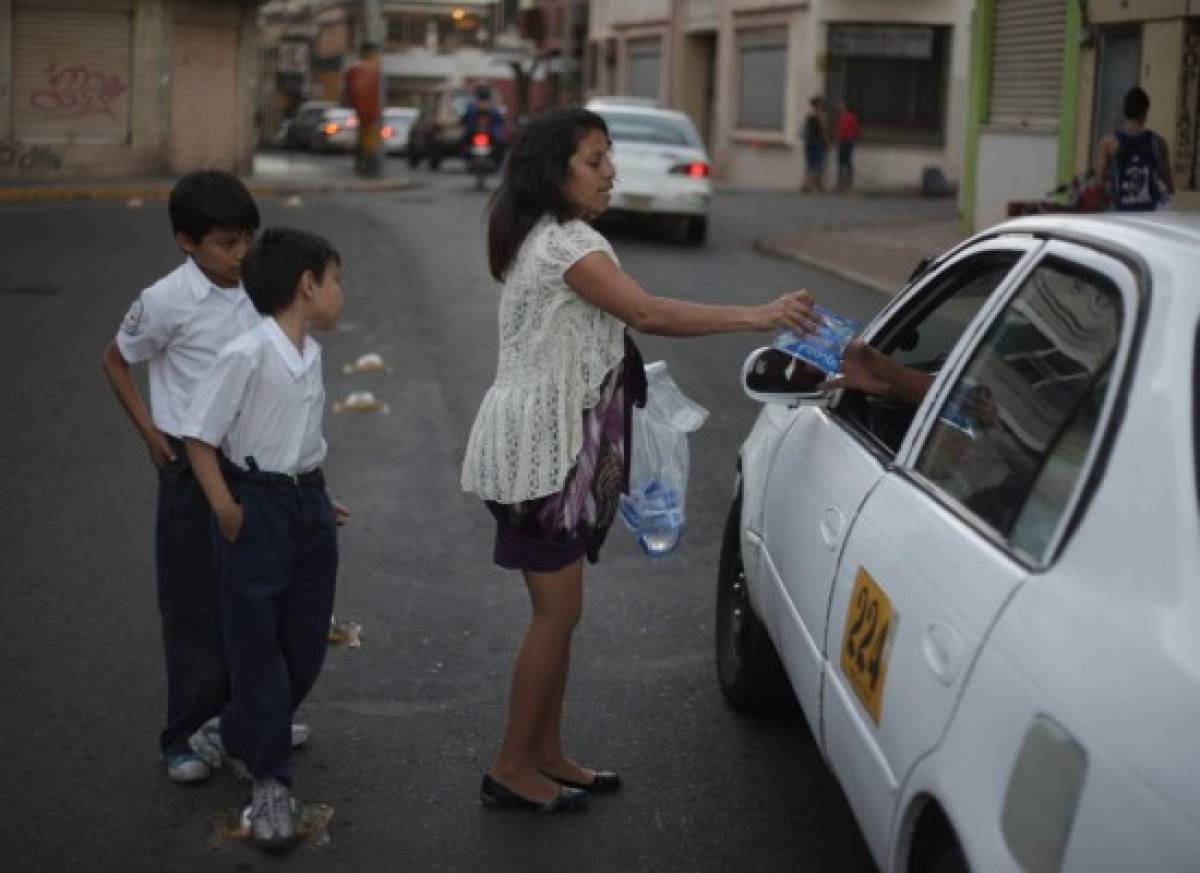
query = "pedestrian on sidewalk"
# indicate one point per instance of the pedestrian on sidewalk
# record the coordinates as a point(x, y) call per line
point(1133, 162)
point(815, 134)
point(548, 452)
point(177, 326)
point(847, 133)
point(275, 535)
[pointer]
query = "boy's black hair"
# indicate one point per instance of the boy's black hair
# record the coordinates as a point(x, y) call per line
point(273, 265)
point(205, 200)
point(1137, 104)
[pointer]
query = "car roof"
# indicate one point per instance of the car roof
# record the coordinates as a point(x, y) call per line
point(1143, 232)
point(602, 105)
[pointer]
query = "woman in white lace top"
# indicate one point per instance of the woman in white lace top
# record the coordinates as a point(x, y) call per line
point(547, 452)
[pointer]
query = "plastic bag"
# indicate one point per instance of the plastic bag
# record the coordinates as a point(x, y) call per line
point(823, 348)
point(654, 507)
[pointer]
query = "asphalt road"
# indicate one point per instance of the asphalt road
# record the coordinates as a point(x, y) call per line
point(404, 726)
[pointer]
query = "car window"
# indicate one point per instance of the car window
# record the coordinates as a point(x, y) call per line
point(1012, 439)
point(923, 336)
point(644, 128)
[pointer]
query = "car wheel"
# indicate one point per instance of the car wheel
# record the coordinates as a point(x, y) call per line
point(697, 231)
point(435, 160)
point(414, 158)
point(950, 860)
point(748, 668)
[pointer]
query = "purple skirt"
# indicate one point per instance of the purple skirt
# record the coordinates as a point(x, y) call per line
point(550, 532)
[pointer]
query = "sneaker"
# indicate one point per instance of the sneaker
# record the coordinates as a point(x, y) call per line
point(273, 815)
point(206, 742)
point(187, 767)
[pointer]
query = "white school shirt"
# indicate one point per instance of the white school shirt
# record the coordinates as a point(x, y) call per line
point(179, 324)
point(262, 399)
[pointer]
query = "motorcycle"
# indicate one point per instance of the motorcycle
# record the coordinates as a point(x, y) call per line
point(1081, 194)
point(481, 157)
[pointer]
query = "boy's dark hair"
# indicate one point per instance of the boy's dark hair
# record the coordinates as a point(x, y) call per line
point(204, 200)
point(275, 262)
point(1137, 104)
point(532, 185)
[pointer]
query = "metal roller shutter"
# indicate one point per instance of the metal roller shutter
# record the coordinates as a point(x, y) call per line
point(203, 84)
point(71, 75)
point(1028, 37)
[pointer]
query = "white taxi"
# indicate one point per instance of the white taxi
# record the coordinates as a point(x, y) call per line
point(989, 612)
point(662, 166)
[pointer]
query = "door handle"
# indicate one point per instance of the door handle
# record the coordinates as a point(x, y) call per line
point(831, 527)
point(942, 648)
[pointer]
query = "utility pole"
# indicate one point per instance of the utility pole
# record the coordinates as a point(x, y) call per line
point(365, 86)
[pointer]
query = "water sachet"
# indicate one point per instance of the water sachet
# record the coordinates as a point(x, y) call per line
point(822, 348)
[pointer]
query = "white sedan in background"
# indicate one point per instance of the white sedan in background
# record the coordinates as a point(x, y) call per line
point(662, 166)
point(988, 610)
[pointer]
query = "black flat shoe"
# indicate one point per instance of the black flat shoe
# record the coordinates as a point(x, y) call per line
point(495, 796)
point(604, 780)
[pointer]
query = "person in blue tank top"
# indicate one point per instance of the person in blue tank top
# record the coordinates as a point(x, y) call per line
point(1133, 162)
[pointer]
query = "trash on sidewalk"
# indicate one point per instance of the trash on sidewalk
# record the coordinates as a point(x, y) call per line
point(345, 633)
point(293, 202)
point(135, 203)
point(233, 824)
point(361, 401)
point(368, 363)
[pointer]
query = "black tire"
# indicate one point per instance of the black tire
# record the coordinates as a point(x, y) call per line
point(697, 231)
point(748, 669)
point(414, 158)
point(950, 860)
point(435, 160)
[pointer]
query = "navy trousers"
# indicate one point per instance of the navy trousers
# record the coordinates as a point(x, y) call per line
point(197, 682)
point(276, 582)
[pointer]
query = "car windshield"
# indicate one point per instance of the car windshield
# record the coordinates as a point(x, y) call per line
point(641, 127)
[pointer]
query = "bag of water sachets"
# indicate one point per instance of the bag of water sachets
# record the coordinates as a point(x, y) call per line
point(822, 348)
point(658, 466)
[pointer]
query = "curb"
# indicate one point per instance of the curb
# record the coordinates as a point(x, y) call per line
point(160, 190)
point(767, 246)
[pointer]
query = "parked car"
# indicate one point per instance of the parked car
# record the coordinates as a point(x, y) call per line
point(986, 604)
point(397, 125)
point(304, 123)
point(336, 131)
point(437, 132)
point(662, 166)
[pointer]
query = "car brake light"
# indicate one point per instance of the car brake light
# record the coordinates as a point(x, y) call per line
point(330, 129)
point(387, 131)
point(695, 169)
point(480, 139)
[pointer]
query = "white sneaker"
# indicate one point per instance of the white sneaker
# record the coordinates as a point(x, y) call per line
point(300, 734)
point(187, 767)
point(273, 815)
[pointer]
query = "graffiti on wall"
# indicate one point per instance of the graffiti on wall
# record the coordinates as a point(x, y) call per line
point(1189, 103)
point(77, 91)
point(23, 157)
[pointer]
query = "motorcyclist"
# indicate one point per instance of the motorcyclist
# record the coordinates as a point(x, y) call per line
point(483, 115)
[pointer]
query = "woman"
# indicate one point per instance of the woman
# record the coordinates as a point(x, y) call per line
point(548, 451)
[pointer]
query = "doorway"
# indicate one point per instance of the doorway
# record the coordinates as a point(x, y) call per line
point(698, 95)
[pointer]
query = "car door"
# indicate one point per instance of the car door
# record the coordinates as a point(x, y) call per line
point(830, 459)
point(976, 499)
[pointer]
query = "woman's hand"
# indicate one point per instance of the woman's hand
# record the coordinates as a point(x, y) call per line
point(793, 310)
point(229, 521)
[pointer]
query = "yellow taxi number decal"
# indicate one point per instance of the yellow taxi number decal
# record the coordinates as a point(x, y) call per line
point(870, 624)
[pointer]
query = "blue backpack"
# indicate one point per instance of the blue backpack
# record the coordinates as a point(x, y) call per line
point(1135, 175)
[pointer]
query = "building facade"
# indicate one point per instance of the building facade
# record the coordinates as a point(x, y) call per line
point(1047, 82)
point(114, 88)
point(745, 71)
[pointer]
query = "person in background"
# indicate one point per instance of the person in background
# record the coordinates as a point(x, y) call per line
point(1133, 163)
point(815, 134)
point(846, 133)
point(548, 452)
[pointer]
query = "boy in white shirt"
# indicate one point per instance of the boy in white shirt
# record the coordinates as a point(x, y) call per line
point(177, 326)
point(261, 403)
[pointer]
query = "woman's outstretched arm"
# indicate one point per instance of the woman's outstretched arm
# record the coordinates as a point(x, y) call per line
point(602, 283)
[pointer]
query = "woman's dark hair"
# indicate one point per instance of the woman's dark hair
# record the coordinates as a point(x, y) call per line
point(275, 262)
point(205, 200)
point(533, 180)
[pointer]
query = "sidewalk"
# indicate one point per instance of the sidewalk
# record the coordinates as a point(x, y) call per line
point(879, 254)
point(275, 174)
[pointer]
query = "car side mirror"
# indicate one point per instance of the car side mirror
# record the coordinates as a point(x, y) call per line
point(773, 376)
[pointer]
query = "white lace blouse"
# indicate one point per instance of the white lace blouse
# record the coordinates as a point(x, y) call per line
point(555, 350)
